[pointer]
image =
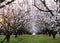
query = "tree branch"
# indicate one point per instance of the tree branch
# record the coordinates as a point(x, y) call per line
point(47, 7)
point(48, 10)
point(10, 2)
point(7, 3)
point(41, 9)
point(2, 6)
point(2, 1)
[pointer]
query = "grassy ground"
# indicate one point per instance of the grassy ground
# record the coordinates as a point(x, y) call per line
point(32, 39)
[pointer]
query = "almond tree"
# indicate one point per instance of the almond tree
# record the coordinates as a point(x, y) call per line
point(37, 12)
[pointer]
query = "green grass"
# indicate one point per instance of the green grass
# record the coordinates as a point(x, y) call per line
point(32, 39)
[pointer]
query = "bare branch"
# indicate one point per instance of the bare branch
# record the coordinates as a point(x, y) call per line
point(10, 2)
point(7, 3)
point(47, 7)
point(2, 1)
point(2, 6)
point(43, 2)
point(40, 9)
